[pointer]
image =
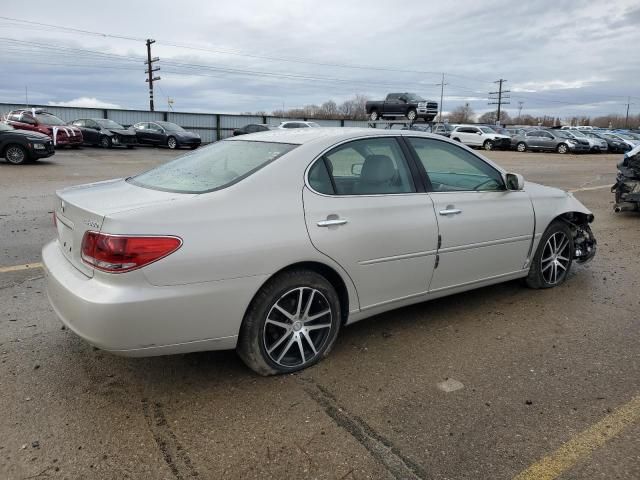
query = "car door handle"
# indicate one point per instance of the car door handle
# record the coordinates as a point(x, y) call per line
point(450, 211)
point(332, 222)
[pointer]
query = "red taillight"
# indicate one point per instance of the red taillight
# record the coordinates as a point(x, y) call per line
point(120, 253)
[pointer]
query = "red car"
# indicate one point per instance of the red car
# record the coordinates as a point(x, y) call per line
point(37, 120)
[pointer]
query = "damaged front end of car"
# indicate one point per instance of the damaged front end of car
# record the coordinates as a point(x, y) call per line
point(627, 186)
point(584, 242)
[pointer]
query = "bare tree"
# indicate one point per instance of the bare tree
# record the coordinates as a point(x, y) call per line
point(462, 114)
point(491, 117)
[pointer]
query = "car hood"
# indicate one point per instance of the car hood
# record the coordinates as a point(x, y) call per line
point(114, 196)
point(121, 131)
point(29, 135)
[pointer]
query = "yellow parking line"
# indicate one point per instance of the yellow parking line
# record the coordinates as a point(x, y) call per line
point(586, 189)
point(17, 268)
point(580, 446)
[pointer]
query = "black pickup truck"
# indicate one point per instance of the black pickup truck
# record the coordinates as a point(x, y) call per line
point(405, 104)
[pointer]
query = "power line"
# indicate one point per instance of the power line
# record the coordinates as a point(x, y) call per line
point(499, 98)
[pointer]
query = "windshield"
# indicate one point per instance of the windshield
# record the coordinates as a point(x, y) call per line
point(488, 130)
point(313, 124)
point(213, 167)
point(104, 123)
point(412, 97)
point(626, 136)
point(172, 127)
point(49, 119)
point(5, 128)
point(561, 134)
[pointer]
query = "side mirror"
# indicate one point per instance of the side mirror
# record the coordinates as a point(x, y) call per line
point(479, 133)
point(514, 181)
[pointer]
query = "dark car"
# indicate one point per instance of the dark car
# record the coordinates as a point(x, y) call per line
point(38, 120)
point(166, 133)
point(106, 133)
point(405, 104)
point(614, 144)
point(251, 128)
point(20, 146)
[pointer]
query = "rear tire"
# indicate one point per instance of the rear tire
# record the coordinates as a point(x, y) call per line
point(553, 259)
point(291, 323)
point(521, 147)
point(16, 154)
point(412, 115)
point(373, 116)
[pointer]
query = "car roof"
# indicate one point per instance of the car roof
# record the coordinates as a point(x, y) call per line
point(301, 136)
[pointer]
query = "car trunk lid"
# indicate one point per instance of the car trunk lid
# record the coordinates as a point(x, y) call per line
point(83, 208)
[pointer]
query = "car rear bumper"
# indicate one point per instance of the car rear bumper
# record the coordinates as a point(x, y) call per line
point(126, 315)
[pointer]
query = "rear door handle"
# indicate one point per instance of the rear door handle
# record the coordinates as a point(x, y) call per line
point(332, 222)
point(450, 211)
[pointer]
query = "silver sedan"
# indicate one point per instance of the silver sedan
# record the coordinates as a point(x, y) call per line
point(270, 243)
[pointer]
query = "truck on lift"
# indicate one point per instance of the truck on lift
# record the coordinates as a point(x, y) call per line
point(408, 105)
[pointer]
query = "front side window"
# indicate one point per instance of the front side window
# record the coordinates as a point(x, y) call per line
point(213, 167)
point(370, 166)
point(451, 168)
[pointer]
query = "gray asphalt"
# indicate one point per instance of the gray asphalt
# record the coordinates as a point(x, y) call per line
point(536, 368)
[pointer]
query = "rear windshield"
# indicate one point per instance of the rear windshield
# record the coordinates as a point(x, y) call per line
point(213, 167)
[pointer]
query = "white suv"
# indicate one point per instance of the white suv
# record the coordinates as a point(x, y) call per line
point(480, 136)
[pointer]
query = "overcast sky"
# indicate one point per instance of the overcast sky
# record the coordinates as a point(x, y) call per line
point(560, 57)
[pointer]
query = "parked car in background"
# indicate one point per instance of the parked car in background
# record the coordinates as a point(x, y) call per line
point(513, 131)
point(251, 128)
point(266, 244)
point(106, 133)
point(298, 124)
point(409, 105)
point(614, 145)
point(443, 129)
point(20, 146)
point(628, 140)
point(549, 140)
point(480, 136)
point(595, 144)
point(38, 120)
point(165, 134)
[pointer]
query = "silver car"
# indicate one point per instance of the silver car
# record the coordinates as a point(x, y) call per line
point(549, 140)
point(270, 243)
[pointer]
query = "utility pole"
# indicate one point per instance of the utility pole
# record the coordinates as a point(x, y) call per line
point(26, 97)
point(150, 69)
point(626, 120)
point(500, 96)
point(520, 104)
point(442, 84)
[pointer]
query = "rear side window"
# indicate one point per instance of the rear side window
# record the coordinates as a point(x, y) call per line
point(213, 167)
point(363, 167)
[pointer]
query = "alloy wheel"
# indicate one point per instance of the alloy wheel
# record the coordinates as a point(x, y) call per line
point(374, 116)
point(297, 327)
point(556, 257)
point(411, 115)
point(171, 143)
point(562, 148)
point(488, 145)
point(15, 155)
point(521, 147)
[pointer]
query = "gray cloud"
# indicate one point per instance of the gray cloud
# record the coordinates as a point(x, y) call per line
point(560, 57)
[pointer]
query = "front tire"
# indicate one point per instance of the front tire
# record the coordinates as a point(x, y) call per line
point(562, 148)
point(172, 143)
point(553, 259)
point(521, 147)
point(487, 145)
point(291, 324)
point(105, 142)
point(16, 155)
